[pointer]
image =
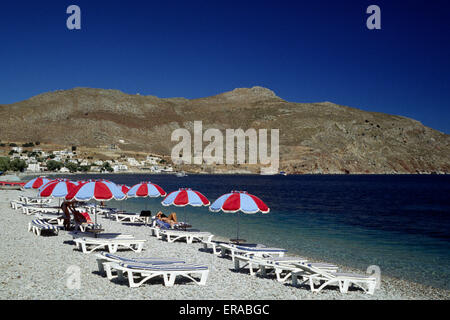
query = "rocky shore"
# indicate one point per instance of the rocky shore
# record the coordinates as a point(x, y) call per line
point(36, 267)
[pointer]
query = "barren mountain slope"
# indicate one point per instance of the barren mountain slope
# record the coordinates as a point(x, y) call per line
point(314, 137)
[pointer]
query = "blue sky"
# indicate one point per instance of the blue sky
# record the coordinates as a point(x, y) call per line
point(305, 51)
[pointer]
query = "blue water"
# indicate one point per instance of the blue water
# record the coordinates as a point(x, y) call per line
point(400, 223)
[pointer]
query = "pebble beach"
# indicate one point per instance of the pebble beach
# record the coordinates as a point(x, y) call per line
point(35, 268)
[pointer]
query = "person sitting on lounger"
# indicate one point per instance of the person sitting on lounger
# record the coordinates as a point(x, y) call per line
point(171, 219)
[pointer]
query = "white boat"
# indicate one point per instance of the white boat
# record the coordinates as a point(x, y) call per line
point(267, 172)
point(181, 174)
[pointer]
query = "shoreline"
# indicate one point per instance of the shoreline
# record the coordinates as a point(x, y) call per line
point(384, 278)
point(37, 174)
point(34, 268)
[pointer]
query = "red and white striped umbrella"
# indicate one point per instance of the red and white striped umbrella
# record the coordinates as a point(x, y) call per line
point(36, 183)
point(57, 189)
point(184, 197)
point(239, 201)
point(101, 190)
point(146, 189)
point(124, 188)
point(53, 181)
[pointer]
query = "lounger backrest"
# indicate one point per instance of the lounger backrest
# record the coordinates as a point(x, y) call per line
point(162, 224)
point(256, 249)
point(43, 224)
point(251, 245)
point(164, 267)
point(308, 268)
point(145, 260)
point(111, 256)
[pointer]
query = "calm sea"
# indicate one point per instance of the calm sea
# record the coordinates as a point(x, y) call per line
point(399, 223)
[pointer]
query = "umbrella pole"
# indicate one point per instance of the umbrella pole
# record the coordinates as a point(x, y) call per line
point(237, 235)
point(185, 221)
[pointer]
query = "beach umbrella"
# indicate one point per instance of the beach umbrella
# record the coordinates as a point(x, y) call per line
point(51, 181)
point(184, 197)
point(57, 189)
point(36, 183)
point(124, 188)
point(99, 190)
point(146, 189)
point(239, 201)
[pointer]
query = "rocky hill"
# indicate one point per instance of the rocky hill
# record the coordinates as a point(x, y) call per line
point(314, 137)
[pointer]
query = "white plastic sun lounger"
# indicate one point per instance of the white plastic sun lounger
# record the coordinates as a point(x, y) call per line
point(85, 226)
point(132, 217)
point(214, 245)
point(289, 269)
point(169, 272)
point(312, 274)
point(105, 259)
point(250, 250)
point(50, 218)
point(156, 231)
point(111, 244)
point(31, 200)
point(108, 212)
point(16, 204)
point(125, 216)
point(260, 265)
point(37, 225)
point(189, 236)
point(278, 265)
point(141, 219)
point(76, 234)
point(31, 209)
point(157, 227)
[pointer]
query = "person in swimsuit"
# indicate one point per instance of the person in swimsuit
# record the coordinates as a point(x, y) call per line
point(171, 219)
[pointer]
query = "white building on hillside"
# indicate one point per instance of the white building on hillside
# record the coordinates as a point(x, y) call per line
point(84, 163)
point(155, 169)
point(120, 168)
point(63, 153)
point(34, 167)
point(133, 162)
point(153, 160)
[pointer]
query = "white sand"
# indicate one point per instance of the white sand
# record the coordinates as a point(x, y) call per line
point(34, 267)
